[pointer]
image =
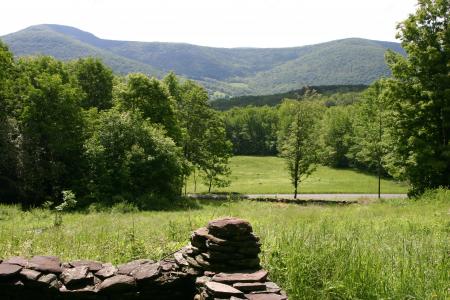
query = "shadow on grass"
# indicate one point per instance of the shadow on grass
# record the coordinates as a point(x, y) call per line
point(179, 204)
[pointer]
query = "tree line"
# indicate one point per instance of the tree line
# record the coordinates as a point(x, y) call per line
point(399, 126)
point(76, 126)
point(227, 103)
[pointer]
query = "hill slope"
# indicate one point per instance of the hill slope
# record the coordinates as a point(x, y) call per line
point(224, 71)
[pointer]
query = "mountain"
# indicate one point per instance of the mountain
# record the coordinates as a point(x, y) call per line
point(223, 71)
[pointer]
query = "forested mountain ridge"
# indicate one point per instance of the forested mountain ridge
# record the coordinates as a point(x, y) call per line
point(223, 71)
point(275, 99)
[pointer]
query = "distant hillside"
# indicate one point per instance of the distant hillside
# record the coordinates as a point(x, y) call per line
point(223, 71)
point(274, 99)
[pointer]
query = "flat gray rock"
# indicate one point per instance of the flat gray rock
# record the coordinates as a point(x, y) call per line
point(7, 270)
point(222, 290)
point(180, 259)
point(46, 264)
point(51, 280)
point(93, 266)
point(167, 264)
point(30, 274)
point(106, 271)
point(76, 277)
point(126, 269)
point(146, 272)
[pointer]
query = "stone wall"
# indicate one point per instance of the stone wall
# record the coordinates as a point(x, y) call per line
point(220, 262)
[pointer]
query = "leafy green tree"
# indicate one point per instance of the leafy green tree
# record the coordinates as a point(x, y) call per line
point(50, 122)
point(96, 81)
point(130, 158)
point(370, 140)
point(299, 138)
point(216, 152)
point(205, 147)
point(420, 98)
point(8, 130)
point(253, 130)
point(336, 136)
point(150, 97)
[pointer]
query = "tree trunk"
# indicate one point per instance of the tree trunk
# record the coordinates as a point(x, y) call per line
point(379, 157)
point(210, 184)
point(295, 188)
point(195, 181)
point(185, 185)
point(379, 179)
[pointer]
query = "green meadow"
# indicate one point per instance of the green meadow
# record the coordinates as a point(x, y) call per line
point(268, 175)
point(392, 249)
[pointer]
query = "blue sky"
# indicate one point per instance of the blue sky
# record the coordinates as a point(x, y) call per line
point(219, 23)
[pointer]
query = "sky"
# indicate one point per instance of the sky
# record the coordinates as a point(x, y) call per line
point(217, 23)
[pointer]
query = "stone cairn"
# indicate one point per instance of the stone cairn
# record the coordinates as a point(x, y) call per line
point(221, 262)
point(227, 252)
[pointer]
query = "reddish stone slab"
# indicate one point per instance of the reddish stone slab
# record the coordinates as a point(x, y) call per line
point(47, 264)
point(7, 270)
point(116, 284)
point(272, 287)
point(222, 290)
point(229, 227)
point(258, 276)
point(265, 297)
point(17, 260)
point(250, 286)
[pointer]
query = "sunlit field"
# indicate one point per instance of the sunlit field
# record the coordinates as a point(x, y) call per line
point(268, 174)
point(394, 249)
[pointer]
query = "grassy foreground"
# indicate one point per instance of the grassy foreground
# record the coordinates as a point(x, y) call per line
point(268, 175)
point(397, 249)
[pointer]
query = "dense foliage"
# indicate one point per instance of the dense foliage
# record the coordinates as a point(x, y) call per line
point(223, 71)
point(252, 130)
point(399, 126)
point(419, 91)
point(54, 115)
point(335, 93)
point(73, 126)
point(257, 130)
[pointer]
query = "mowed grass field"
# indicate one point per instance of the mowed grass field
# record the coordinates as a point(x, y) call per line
point(393, 249)
point(268, 175)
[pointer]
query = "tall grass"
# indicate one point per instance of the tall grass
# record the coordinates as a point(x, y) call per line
point(396, 249)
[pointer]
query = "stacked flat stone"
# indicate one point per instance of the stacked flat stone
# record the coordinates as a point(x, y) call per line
point(221, 262)
point(227, 251)
point(44, 277)
point(224, 245)
point(234, 286)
